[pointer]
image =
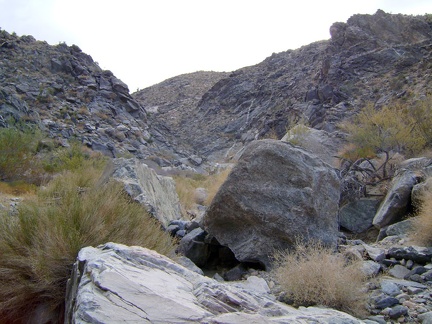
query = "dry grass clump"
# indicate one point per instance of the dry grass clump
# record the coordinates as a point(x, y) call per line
point(186, 185)
point(314, 275)
point(40, 244)
point(421, 232)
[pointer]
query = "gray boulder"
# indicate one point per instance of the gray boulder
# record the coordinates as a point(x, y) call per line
point(400, 228)
point(115, 283)
point(276, 193)
point(157, 193)
point(357, 216)
point(397, 201)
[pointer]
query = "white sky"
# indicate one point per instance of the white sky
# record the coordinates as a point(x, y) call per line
point(144, 42)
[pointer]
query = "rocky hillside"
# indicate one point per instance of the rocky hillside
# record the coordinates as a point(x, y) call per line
point(66, 93)
point(170, 106)
point(378, 58)
point(201, 116)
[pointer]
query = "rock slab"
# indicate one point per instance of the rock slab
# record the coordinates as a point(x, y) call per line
point(156, 193)
point(276, 193)
point(115, 283)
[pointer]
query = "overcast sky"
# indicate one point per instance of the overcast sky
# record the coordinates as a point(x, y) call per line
point(144, 42)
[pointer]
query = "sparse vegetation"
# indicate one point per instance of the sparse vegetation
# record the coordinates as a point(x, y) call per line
point(186, 185)
point(39, 245)
point(421, 232)
point(314, 275)
point(18, 147)
point(386, 131)
point(297, 134)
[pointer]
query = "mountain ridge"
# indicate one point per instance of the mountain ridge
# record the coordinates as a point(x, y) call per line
point(210, 116)
point(377, 58)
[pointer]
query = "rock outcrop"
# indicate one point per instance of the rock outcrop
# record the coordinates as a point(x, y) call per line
point(277, 193)
point(370, 58)
point(155, 192)
point(115, 283)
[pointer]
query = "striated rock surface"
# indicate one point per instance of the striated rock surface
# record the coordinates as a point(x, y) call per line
point(155, 192)
point(276, 193)
point(115, 283)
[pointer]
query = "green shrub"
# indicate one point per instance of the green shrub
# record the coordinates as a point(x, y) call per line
point(389, 130)
point(69, 158)
point(40, 244)
point(314, 275)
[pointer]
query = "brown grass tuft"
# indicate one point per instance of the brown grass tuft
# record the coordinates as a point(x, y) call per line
point(314, 275)
point(421, 232)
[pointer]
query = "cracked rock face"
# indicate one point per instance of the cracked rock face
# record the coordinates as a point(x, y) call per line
point(115, 283)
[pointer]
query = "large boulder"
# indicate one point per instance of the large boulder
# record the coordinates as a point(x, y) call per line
point(118, 284)
point(277, 193)
point(397, 201)
point(156, 193)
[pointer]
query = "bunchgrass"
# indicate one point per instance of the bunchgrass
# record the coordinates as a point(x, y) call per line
point(421, 232)
point(18, 147)
point(40, 244)
point(314, 275)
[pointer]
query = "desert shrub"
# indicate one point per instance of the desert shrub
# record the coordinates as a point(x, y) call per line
point(314, 275)
point(421, 112)
point(389, 130)
point(421, 232)
point(18, 147)
point(40, 244)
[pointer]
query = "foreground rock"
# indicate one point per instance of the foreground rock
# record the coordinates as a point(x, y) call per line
point(115, 283)
point(157, 193)
point(276, 193)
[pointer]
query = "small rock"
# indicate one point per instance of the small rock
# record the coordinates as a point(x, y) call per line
point(374, 253)
point(409, 304)
point(427, 275)
point(398, 271)
point(256, 284)
point(402, 297)
point(426, 318)
point(386, 302)
point(377, 319)
point(410, 264)
point(235, 273)
point(390, 288)
point(370, 268)
point(398, 311)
